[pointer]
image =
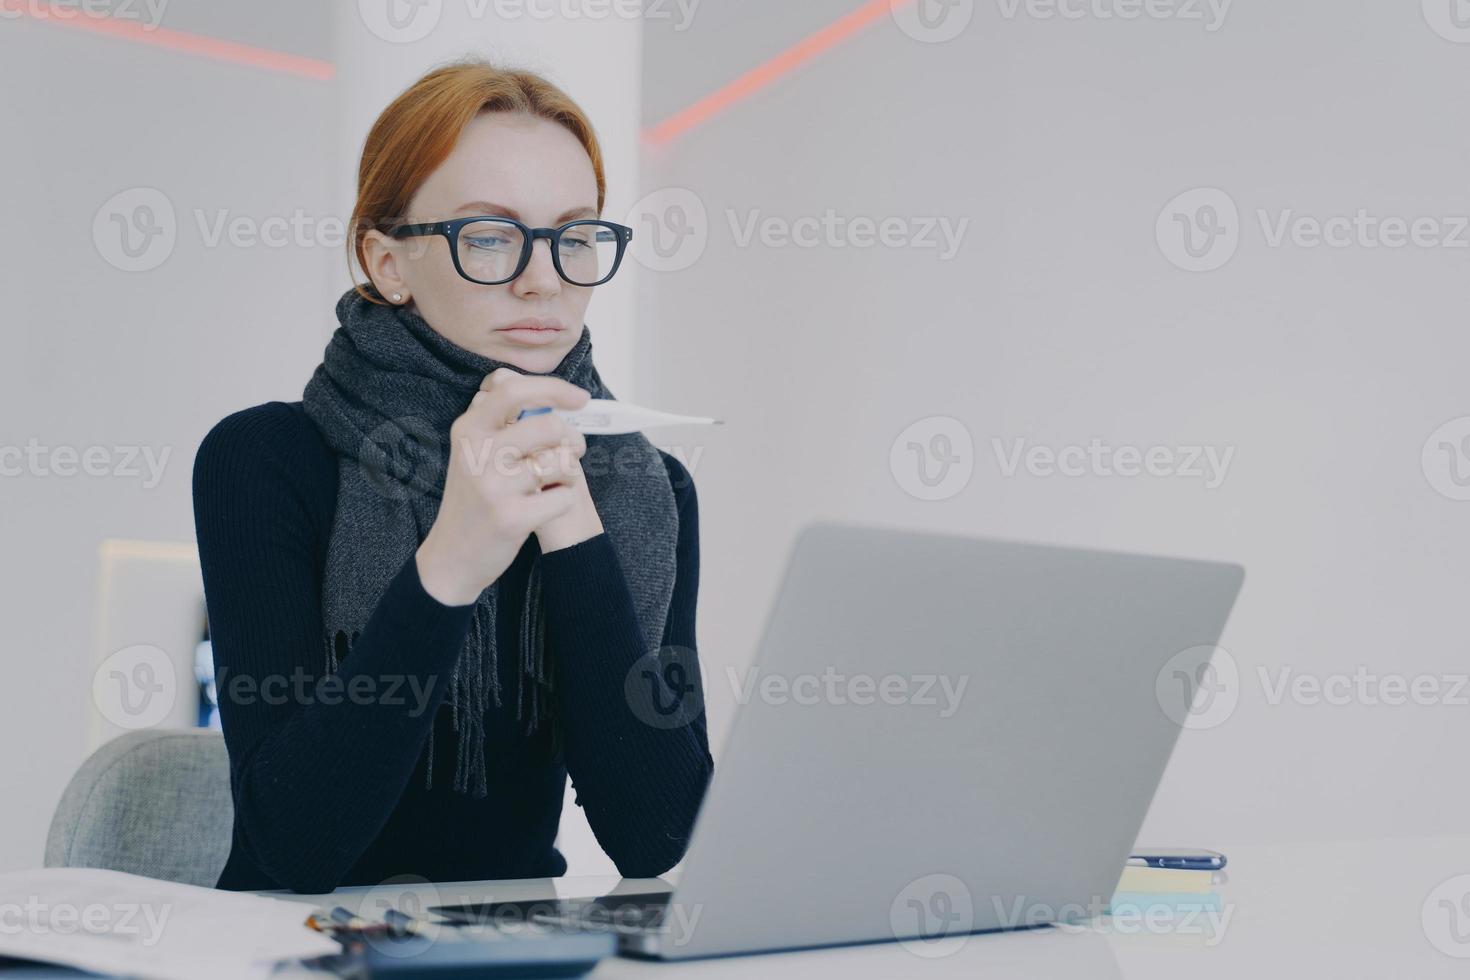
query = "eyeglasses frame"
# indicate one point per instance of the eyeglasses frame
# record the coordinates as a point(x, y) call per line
point(450, 230)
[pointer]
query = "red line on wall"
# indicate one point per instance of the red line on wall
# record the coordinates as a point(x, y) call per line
point(137, 32)
point(768, 72)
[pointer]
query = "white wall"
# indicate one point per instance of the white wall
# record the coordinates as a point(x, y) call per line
point(98, 356)
point(95, 356)
point(1061, 319)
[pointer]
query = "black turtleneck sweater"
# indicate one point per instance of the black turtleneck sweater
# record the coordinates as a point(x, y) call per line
point(328, 772)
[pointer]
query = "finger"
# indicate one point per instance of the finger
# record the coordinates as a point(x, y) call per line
point(552, 467)
point(542, 431)
point(548, 505)
point(504, 394)
point(483, 446)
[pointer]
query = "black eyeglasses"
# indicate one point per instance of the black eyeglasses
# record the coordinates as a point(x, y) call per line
point(494, 250)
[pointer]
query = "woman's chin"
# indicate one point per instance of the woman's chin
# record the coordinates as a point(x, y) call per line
point(533, 360)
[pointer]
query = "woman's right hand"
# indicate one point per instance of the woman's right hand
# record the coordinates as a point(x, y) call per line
point(504, 479)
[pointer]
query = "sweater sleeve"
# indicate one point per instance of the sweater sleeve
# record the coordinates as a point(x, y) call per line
point(639, 769)
point(317, 761)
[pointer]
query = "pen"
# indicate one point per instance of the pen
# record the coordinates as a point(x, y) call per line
point(603, 416)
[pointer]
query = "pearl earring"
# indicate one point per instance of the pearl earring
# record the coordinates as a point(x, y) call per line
point(397, 297)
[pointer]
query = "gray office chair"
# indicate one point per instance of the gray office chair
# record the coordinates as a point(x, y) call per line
point(154, 803)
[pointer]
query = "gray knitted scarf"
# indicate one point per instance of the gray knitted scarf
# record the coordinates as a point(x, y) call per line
point(383, 397)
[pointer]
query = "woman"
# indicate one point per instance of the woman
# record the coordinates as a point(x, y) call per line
point(425, 612)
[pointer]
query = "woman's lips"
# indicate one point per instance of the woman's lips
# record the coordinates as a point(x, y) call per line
point(532, 331)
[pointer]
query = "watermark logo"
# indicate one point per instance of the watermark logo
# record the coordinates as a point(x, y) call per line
point(407, 895)
point(1199, 230)
point(135, 230)
point(933, 458)
point(135, 687)
point(932, 21)
point(1446, 917)
point(932, 916)
point(1199, 687)
point(1446, 459)
point(670, 229)
point(402, 458)
point(400, 21)
point(663, 688)
point(1450, 19)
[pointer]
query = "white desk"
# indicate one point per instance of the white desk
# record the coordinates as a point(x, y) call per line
point(1343, 911)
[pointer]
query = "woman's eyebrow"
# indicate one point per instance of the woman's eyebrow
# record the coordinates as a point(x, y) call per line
point(487, 207)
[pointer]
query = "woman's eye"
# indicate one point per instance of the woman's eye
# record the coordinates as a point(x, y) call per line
point(485, 242)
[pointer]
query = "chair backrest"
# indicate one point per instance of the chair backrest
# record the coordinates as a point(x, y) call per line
point(154, 803)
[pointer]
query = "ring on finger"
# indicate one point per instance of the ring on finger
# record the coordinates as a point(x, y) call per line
point(542, 463)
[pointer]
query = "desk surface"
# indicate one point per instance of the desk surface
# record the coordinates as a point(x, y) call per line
point(1346, 910)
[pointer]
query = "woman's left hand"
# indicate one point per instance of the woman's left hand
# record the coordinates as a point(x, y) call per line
point(577, 524)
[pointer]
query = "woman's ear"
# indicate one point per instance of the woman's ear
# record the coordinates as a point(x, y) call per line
point(385, 265)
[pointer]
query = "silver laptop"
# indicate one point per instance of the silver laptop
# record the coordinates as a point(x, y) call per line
point(939, 735)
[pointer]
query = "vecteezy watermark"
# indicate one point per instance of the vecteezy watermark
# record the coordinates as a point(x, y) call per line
point(937, 21)
point(302, 688)
point(1450, 19)
point(1125, 914)
point(402, 458)
point(406, 21)
point(932, 21)
point(833, 687)
point(1363, 687)
point(542, 917)
point(135, 687)
point(118, 462)
point(412, 896)
point(832, 230)
point(1198, 687)
point(663, 688)
point(1208, 464)
point(1446, 459)
point(147, 14)
point(672, 230)
point(933, 458)
point(1210, 14)
point(1201, 687)
point(1200, 230)
point(932, 916)
point(137, 230)
point(1445, 917)
point(136, 923)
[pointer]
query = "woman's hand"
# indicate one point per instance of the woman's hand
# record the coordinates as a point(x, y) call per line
point(504, 480)
point(580, 522)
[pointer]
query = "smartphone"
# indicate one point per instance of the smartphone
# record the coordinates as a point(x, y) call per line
point(1188, 858)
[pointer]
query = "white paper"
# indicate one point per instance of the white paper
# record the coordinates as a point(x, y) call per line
point(111, 922)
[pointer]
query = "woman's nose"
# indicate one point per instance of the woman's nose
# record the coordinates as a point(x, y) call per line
point(539, 277)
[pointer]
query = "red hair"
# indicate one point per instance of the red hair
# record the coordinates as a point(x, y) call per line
point(420, 128)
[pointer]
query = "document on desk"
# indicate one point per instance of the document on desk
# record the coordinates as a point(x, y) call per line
point(111, 922)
